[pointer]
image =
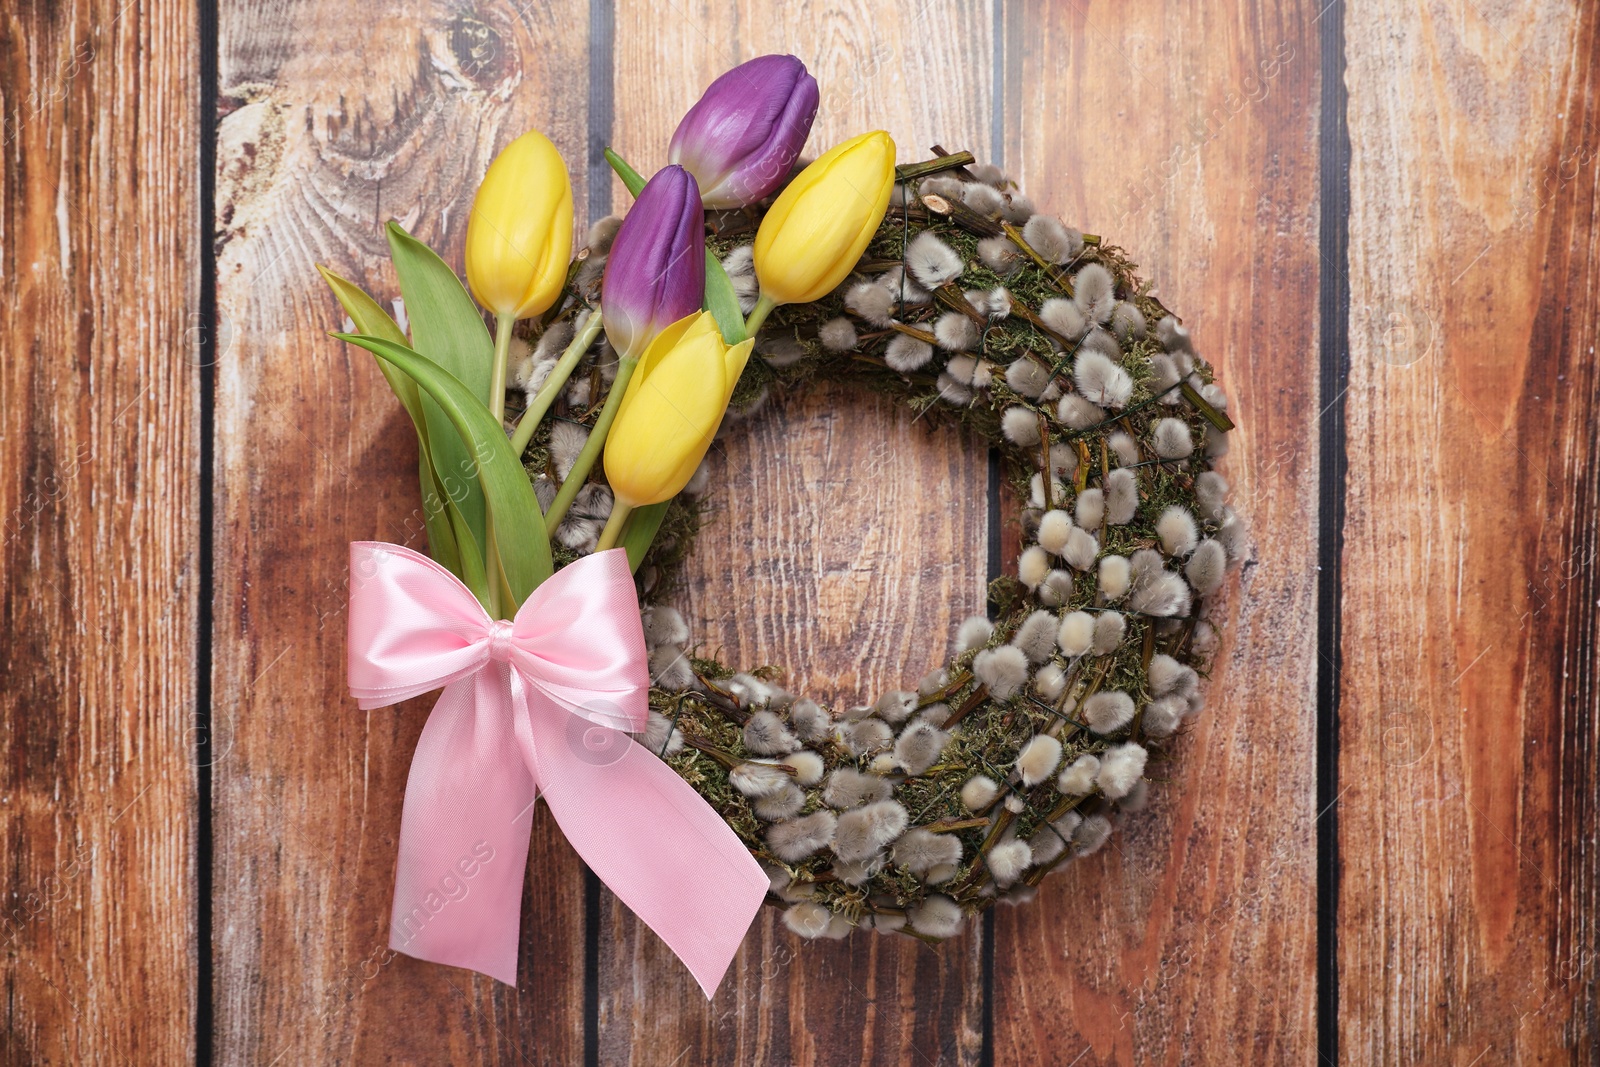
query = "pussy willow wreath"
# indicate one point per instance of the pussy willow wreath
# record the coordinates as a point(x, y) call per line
point(970, 786)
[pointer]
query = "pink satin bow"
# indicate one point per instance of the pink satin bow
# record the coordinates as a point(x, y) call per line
point(537, 705)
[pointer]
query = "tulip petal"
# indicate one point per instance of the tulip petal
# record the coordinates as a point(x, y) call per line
point(734, 360)
point(656, 269)
point(665, 341)
point(671, 418)
point(820, 224)
point(550, 277)
point(519, 234)
point(743, 135)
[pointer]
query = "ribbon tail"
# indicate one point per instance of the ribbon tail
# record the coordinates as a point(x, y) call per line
point(464, 834)
point(650, 837)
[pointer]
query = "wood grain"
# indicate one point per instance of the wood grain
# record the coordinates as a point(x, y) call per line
point(99, 441)
point(848, 543)
point(1468, 723)
point(847, 539)
point(318, 149)
point(1187, 134)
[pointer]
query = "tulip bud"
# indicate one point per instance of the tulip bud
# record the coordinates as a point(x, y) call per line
point(672, 409)
point(656, 271)
point(820, 224)
point(519, 236)
point(742, 137)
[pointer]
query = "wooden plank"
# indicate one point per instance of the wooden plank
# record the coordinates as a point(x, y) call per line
point(317, 150)
point(99, 421)
point(847, 544)
point(838, 566)
point(1187, 134)
point(1468, 719)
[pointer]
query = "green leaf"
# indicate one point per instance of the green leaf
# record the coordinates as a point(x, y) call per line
point(641, 531)
point(512, 509)
point(472, 573)
point(446, 326)
point(447, 329)
point(629, 176)
point(370, 318)
point(442, 545)
point(722, 302)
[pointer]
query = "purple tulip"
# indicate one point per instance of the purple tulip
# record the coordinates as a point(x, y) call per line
point(744, 134)
point(656, 269)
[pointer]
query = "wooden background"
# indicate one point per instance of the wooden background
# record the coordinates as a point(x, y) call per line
point(1379, 846)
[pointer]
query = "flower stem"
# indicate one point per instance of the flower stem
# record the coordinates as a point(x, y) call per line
point(503, 325)
point(591, 448)
point(613, 530)
point(758, 314)
point(552, 385)
point(497, 382)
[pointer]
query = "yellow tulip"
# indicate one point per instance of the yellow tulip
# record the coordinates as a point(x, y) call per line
point(519, 236)
point(820, 224)
point(671, 410)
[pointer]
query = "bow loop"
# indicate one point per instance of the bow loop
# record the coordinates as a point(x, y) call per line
point(413, 626)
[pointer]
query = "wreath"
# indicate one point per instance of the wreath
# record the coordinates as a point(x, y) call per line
point(907, 813)
point(912, 811)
